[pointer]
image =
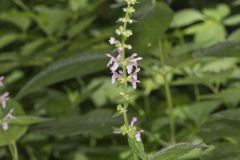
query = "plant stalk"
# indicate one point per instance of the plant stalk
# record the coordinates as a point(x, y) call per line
point(170, 109)
point(13, 150)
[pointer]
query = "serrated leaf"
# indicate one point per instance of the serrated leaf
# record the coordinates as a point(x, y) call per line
point(225, 49)
point(207, 33)
point(80, 26)
point(205, 79)
point(233, 20)
point(186, 17)
point(64, 69)
point(96, 123)
point(28, 120)
point(20, 19)
point(224, 151)
point(175, 151)
point(152, 25)
point(9, 38)
point(218, 13)
point(234, 36)
point(137, 148)
point(220, 65)
point(198, 111)
point(77, 4)
point(225, 124)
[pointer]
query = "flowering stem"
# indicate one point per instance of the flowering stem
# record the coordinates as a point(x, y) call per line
point(125, 72)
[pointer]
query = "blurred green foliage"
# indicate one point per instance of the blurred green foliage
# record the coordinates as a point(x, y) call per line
point(53, 56)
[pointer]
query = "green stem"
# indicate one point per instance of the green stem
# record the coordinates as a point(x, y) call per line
point(135, 156)
point(168, 94)
point(196, 92)
point(125, 118)
point(13, 150)
point(147, 104)
point(170, 109)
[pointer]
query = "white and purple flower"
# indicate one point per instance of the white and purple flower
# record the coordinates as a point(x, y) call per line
point(138, 133)
point(1, 81)
point(8, 117)
point(112, 40)
point(132, 62)
point(116, 75)
point(3, 99)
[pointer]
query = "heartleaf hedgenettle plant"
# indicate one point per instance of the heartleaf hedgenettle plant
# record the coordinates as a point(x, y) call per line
point(124, 71)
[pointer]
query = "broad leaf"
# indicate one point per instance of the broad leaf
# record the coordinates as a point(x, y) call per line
point(225, 124)
point(175, 151)
point(97, 123)
point(64, 69)
point(225, 49)
point(137, 148)
point(186, 17)
point(27, 120)
point(152, 26)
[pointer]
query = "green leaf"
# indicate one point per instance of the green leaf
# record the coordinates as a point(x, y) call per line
point(225, 49)
point(207, 33)
point(175, 151)
point(185, 17)
point(96, 123)
point(52, 20)
point(233, 20)
point(137, 148)
point(220, 64)
point(14, 131)
point(235, 35)
point(224, 151)
point(152, 26)
point(218, 13)
point(28, 120)
point(64, 69)
point(32, 46)
point(225, 124)
point(227, 97)
point(78, 4)
point(20, 19)
point(9, 38)
point(198, 111)
point(80, 26)
point(205, 79)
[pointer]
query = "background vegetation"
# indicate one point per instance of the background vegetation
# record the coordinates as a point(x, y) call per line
point(52, 54)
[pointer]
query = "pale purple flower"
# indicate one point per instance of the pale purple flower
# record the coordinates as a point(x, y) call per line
point(5, 125)
point(112, 40)
point(116, 75)
point(135, 80)
point(120, 49)
point(10, 114)
point(138, 135)
point(132, 62)
point(134, 120)
point(115, 62)
point(8, 117)
point(3, 99)
point(1, 81)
